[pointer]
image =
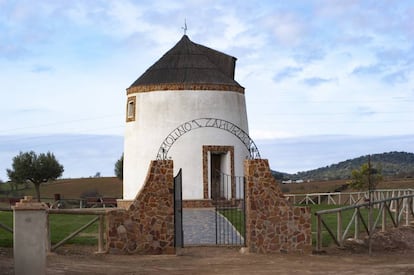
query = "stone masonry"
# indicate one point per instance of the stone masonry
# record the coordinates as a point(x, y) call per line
point(147, 226)
point(272, 223)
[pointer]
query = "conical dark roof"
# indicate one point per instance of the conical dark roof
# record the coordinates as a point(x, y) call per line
point(191, 65)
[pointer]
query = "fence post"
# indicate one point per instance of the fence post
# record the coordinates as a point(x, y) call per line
point(30, 237)
point(356, 233)
point(397, 212)
point(339, 228)
point(319, 234)
point(407, 212)
point(384, 217)
point(101, 234)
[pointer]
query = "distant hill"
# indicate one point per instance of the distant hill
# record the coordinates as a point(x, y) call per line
point(392, 164)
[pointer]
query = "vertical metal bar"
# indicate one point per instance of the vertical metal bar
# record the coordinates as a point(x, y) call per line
point(229, 234)
point(178, 211)
point(217, 209)
point(239, 204)
point(244, 210)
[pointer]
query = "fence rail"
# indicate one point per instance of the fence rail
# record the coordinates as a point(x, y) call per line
point(68, 203)
point(100, 217)
point(347, 198)
point(403, 211)
point(99, 214)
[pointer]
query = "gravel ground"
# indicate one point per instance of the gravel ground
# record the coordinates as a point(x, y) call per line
point(393, 253)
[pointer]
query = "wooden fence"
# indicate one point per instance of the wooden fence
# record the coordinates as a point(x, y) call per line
point(347, 198)
point(99, 214)
point(401, 214)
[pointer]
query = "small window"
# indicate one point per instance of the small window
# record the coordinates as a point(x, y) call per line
point(130, 112)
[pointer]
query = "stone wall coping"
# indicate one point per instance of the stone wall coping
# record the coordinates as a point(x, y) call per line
point(27, 203)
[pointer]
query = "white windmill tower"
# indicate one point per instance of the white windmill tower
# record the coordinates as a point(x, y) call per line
point(187, 107)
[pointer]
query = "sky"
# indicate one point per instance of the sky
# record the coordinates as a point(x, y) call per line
point(325, 80)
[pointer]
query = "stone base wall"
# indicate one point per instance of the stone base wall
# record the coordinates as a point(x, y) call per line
point(272, 223)
point(147, 225)
point(198, 203)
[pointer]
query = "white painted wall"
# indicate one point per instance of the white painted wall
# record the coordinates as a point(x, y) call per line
point(160, 112)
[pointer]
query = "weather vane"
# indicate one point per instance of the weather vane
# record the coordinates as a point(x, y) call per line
point(185, 27)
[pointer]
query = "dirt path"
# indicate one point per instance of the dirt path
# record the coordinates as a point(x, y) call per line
point(213, 260)
point(393, 253)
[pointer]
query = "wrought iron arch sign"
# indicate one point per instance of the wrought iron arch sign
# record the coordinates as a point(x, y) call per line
point(218, 123)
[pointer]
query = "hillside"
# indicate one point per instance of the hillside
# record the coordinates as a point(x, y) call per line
point(392, 164)
point(75, 188)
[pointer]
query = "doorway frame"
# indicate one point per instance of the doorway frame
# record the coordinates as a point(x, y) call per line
point(216, 149)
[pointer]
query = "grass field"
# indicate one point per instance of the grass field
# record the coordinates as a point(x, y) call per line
point(61, 225)
point(236, 217)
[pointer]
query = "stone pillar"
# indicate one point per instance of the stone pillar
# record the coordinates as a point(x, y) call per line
point(272, 223)
point(30, 237)
point(146, 226)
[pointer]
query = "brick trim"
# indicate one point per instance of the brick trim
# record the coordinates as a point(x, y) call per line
point(182, 86)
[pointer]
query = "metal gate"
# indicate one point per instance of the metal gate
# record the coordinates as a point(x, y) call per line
point(229, 210)
point(178, 211)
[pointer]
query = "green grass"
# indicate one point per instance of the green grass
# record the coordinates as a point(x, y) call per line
point(6, 238)
point(61, 226)
point(331, 221)
point(236, 217)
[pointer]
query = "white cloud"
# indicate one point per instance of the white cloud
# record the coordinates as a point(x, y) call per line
point(309, 68)
point(287, 28)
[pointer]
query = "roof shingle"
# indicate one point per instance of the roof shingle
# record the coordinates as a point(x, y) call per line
point(190, 63)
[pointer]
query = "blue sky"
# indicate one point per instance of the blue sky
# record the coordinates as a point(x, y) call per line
point(311, 69)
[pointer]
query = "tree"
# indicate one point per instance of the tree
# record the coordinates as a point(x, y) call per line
point(34, 168)
point(362, 176)
point(119, 168)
